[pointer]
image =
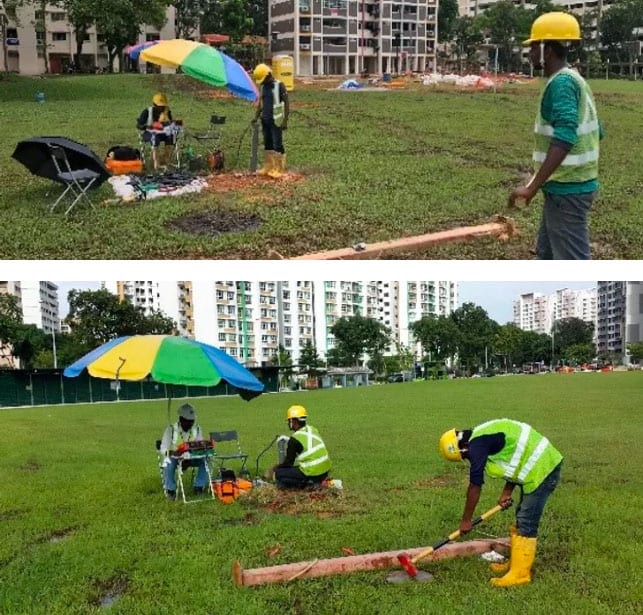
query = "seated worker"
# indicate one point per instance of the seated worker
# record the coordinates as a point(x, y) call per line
point(184, 430)
point(156, 122)
point(307, 459)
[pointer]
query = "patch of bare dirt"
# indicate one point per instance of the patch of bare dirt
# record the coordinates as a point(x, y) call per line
point(215, 222)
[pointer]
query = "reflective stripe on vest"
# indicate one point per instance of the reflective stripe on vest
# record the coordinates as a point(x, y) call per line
point(581, 162)
point(278, 109)
point(527, 457)
point(314, 459)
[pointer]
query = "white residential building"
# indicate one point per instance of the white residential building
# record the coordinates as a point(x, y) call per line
point(37, 32)
point(40, 305)
point(250, 319)
point(347, 37)
point(538, 312)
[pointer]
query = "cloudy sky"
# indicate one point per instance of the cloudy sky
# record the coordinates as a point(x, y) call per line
point(495, 297)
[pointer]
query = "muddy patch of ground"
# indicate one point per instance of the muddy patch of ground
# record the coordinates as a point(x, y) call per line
point(213, 223)
point(105, 592)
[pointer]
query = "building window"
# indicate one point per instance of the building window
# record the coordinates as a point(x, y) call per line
point(58, 17)
point(59, 36)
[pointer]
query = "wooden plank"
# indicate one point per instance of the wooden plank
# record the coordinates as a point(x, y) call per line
point(355, 563)
point(503, 228)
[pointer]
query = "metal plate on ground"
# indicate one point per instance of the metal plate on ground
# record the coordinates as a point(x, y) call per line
point(401, 576)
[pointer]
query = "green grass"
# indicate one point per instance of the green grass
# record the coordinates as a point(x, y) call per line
point(376, 166)
point(83, 515)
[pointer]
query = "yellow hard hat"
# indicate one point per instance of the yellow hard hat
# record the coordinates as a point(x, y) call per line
point(296, 412)
point(260, 73)
point(449, 448)
point(556, 26)
point(159, 99)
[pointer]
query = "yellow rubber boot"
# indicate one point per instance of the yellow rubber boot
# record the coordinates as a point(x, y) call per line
point(278, 165)
point(268, 162)
point(522, 559)
point(503, 567)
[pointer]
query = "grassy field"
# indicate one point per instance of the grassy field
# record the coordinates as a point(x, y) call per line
point(84, 522)
point(373, 166)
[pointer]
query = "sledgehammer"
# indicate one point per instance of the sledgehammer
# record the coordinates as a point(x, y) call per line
point(409, 564)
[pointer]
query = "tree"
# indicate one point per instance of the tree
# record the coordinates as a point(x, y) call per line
point(466, 38)
point(636, 351)
point(235, 21)
point(476, 332)
point(187, 17)
point(358, 334)
point(309, 360)
point(17, 340)
point(570, 332)
point(506, 25)
point(438, 335)
point(258, 11)
point(507, 343)
point(97, 316)
point(282, 358)
point(447, 17)
point(120, 21)
point(617, 30)
point(80, 14)
point(576, 354)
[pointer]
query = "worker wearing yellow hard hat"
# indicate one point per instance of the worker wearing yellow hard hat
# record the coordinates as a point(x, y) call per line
point(566, 151)
point(273, 111)
point(307, 462)
point(156, 126)
point(516, 452)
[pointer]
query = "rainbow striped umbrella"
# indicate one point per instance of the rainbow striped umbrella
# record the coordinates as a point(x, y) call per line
point(134, 51)
point(168, 359)
point(204, 63)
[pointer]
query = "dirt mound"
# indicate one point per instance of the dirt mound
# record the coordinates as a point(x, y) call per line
point(215, 222)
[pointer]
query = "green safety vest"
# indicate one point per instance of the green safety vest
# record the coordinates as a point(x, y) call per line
point(527, 457)
point(278, 107)
point(314, 459)
point(581, 162)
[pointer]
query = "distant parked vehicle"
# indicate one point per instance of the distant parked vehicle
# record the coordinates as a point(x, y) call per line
point(399, 377)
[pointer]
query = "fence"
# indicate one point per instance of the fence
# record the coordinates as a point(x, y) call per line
point(49, 386)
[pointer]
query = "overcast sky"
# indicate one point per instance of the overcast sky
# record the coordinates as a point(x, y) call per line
point(495, 297)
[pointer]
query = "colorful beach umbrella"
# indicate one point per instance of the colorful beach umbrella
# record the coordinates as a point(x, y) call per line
point(167, 359)
point(204, 63)
point(134, 51)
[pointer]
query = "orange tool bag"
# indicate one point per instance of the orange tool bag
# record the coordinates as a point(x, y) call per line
point(227, 487)
point(122, 160)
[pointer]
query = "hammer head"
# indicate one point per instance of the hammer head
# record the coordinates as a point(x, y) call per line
point(407, 564)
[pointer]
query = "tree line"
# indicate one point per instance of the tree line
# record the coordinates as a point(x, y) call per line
point(504, 25)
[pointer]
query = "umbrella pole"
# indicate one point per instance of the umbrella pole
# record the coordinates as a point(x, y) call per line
point(169, 403)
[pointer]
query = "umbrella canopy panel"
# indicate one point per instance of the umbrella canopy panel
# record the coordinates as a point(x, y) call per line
point(167, 359)
point(34, 154)
point(204, 63)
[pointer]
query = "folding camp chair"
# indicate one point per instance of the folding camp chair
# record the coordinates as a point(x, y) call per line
point(230, 451)
point(76, 181)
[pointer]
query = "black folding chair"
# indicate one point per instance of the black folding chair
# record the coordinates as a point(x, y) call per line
point(76, 181)
point(230, 451)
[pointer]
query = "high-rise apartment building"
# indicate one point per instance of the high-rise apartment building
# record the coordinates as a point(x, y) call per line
point(538, 312)
point(620, 317)
point(348, 37)
point(250, 319)
point(40, 305)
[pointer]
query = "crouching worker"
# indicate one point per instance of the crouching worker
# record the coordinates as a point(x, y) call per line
point(524, 458)
point(307, 462)
point(184, 430)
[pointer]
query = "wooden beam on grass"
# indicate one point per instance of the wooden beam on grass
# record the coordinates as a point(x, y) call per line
point(356, 563)
point(502, 228)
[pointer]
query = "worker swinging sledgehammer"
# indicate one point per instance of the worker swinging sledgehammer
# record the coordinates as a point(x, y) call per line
point(273, 110)
point(518, 453)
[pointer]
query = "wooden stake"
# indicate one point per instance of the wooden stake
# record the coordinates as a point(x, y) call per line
point(503, 228)
point(355, 563)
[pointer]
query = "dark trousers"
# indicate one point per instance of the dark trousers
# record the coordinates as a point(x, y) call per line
point(294, 478)
point(531, 505)
point(272, 136)
point(564, 227)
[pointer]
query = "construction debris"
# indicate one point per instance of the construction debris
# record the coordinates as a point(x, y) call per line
point(502, 228)
point(356, 563)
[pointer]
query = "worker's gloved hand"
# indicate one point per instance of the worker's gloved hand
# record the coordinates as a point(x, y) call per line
point(505, 501)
